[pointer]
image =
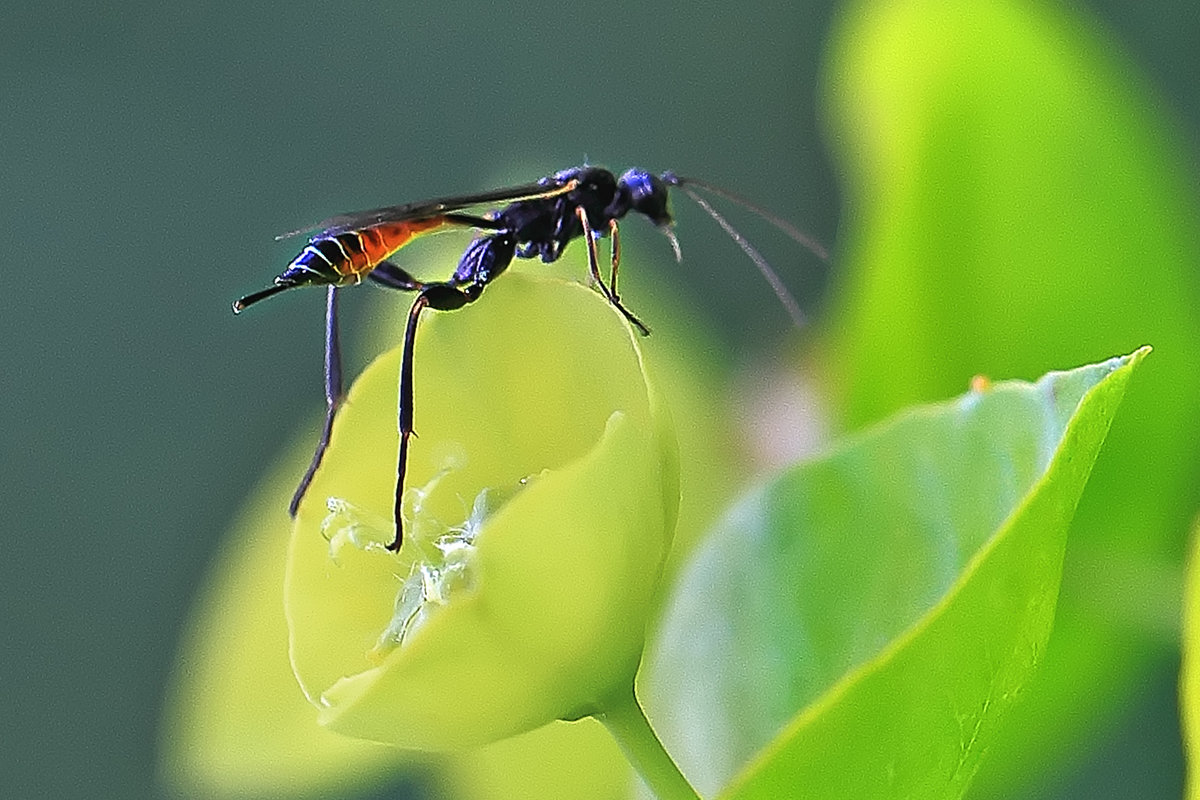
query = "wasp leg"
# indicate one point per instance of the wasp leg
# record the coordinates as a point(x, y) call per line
point(589, 236)
point(481, 263)
point(615, 249)
point(333, 395)
point(388, 274)
point(406, 413)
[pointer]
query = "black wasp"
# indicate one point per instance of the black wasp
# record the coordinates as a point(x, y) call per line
point(535, 220)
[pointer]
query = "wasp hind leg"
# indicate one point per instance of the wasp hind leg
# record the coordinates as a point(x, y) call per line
point(333, 395)
point(483, 261)
point(388, 274)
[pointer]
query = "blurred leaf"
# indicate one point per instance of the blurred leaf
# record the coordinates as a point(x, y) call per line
point(237, 724)
point(883, 605)
point(1016, 202)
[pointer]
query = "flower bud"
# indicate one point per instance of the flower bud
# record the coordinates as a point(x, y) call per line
point(543, 488)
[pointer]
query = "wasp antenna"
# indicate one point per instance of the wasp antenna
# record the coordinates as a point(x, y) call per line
point(241, 305)
point(790, 230)
point(781, 291)
point(669, 232)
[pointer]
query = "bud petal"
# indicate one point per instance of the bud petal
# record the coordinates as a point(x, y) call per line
point(547, 492)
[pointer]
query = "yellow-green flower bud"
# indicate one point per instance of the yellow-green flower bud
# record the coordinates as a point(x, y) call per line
point(544, 488)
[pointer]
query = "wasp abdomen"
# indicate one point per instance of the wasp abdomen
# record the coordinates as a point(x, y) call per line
point(346, 257)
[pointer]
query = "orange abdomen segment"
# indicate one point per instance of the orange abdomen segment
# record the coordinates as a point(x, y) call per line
point(366, 248)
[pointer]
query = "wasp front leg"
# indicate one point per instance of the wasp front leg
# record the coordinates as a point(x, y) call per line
point(589, 237)
point(615, 251)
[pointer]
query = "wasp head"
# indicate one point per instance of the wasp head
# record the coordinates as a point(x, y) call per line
point(645, 193)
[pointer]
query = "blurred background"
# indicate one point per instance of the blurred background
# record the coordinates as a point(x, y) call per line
point(149, 153)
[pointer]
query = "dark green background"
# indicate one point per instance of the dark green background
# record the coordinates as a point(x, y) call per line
point(149, 152)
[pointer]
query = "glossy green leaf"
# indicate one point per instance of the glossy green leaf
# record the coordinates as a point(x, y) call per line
point(858, 626)
point(1016, 201)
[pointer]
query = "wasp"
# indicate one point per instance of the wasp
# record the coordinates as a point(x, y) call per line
point(533, 220)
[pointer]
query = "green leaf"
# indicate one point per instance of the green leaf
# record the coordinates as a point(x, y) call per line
point(1017, 200)
point(862, 622)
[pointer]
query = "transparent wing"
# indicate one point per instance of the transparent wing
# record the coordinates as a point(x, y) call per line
point(431, 208)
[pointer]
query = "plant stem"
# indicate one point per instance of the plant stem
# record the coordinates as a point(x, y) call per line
point(627, 724)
